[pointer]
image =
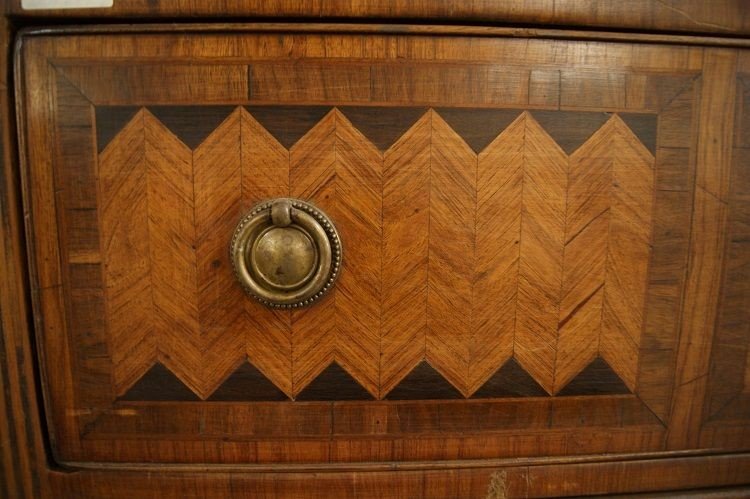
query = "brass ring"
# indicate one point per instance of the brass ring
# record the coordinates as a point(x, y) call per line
point(286, 253)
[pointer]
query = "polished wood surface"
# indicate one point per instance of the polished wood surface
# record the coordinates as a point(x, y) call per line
point(696, 16)
point(562, 480)
point(595, 190)
point(708, 244)
point(149, 184)
point(20, 421)
point(727, 388)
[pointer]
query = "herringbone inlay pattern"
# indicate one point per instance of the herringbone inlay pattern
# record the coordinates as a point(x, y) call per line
point(524, 251)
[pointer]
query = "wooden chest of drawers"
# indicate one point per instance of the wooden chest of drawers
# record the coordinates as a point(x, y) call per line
point(544, 281)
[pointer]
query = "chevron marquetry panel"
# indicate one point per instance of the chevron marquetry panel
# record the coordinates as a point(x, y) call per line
point(627, 252)
point(265, 175)
point(608, 237)
point(406, 201)
point(540, 266)
point(218, 205)
point(513, 251)
point(498, 235)
point(125, 247)
point(172, 243)
point(586, 236)
point(453, 170)
point(359, 217)
point(312, 176)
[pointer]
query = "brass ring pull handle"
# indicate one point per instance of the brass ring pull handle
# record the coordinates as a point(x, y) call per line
point(286, 253)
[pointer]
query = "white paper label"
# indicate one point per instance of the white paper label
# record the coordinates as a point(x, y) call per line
point(64, 4)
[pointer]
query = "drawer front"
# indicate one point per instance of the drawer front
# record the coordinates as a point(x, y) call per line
point(536, 236)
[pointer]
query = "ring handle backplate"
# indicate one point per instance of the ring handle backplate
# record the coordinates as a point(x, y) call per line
point(286, 253)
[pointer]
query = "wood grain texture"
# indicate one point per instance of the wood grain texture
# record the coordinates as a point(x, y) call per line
point(478, 206)
point(127, 275)
point(359, 214)
point(541, 253)
point(628, 252)
point(497, 240)
point(707, 244)
point(585, 256)
point(729, 381)
point(389, 83)
point(674, 179)
point(405, 252)
point(227, 80)
point(218, 203)
point(453, 167)
point(724, 17)
point(265, 174)
point(582, 479)
point(322, 179)
point(77, 212)
point(171, 239)
point(364, 431)
point(401, 315)
point(23, 449)
point(312, 167)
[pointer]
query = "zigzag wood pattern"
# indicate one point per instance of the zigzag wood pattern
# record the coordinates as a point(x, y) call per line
point(627, 253)
point(587, 227)
point(172, 244)
point(196, 309)
point(541, 253)
point(471, 244)
point(265, 175)
point(218, 206)
point(404, 254)
point(358, 212)
point(312, 171)
point(335, 166)
point(126, 254)
point(608, 226)
point(453, 169)
point(497, 238)
point(248, 384)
